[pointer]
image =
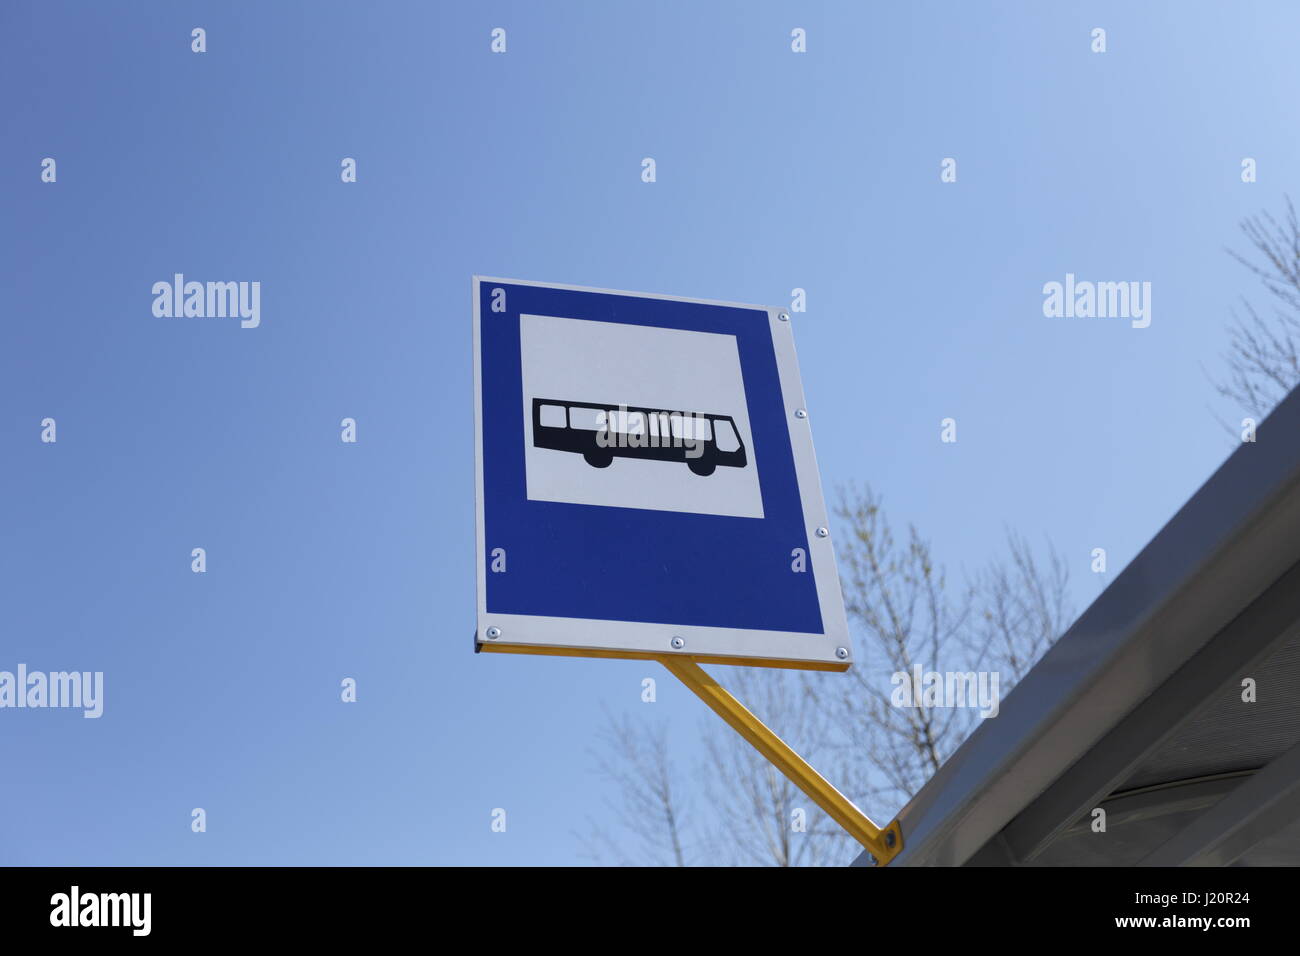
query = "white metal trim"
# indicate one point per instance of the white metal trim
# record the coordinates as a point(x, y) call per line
point(638, 637)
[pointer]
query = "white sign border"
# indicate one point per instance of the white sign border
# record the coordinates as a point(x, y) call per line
point(525, 633)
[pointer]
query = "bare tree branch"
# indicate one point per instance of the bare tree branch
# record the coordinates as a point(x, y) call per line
point(878, 753)
point(634, 757)
point(1263, 357)
point(764, 818)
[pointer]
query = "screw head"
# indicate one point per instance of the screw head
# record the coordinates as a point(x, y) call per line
point(784, 316)
point(800, 413)
point(678, 643)
point(493, 633)
point(823, 533)
point(890, 839)
point(842, 653)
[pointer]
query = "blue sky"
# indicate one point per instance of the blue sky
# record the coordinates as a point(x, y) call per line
point(775, 170)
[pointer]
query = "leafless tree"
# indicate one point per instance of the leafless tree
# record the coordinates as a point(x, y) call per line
point(909, 617)
point(1023, 607)
point(762, 819)
point(906, 615)
point(652, 808)
point(753, 815)
point(1263, 357)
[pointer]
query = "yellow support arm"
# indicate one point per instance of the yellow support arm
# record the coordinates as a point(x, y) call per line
point(884, 844)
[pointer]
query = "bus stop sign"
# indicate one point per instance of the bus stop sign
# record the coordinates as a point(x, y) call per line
point(646, 483)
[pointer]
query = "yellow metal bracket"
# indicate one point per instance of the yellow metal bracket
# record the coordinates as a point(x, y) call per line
point(883, 844)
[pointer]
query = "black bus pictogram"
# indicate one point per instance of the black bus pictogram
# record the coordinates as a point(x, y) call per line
point(602, 432)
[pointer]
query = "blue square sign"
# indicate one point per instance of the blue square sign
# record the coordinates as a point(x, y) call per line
point(646, 481)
